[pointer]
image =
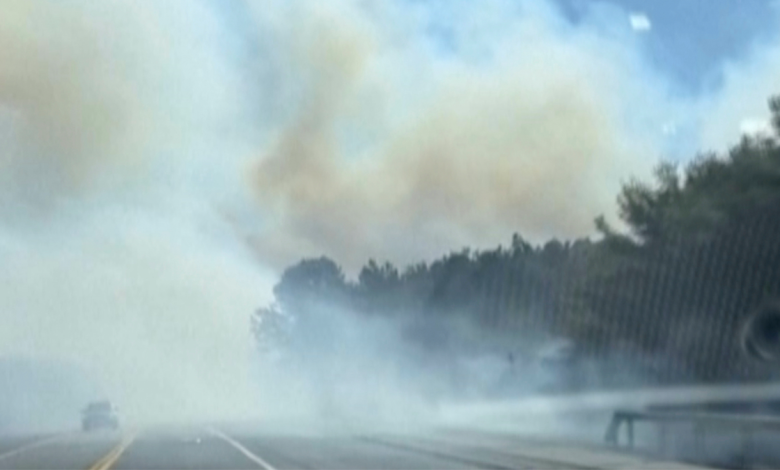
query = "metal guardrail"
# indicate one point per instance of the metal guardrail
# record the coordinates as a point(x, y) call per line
point(746, 426)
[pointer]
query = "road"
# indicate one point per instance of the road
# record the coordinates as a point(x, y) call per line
point(242, 448)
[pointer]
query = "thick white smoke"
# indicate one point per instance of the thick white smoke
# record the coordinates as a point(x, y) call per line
point(115, 165)
point(141, 142)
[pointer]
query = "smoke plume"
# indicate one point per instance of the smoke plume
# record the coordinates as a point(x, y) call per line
point(116, 260)
point(138, 138)
point(397, 148)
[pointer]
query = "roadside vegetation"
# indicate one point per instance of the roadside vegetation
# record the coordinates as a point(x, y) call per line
point(697, 251)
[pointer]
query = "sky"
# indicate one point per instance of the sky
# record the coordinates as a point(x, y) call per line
point(690, 39)
point(161, 163)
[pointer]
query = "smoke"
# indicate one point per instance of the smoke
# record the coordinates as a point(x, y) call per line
point(333, 369)
point(153, 309)
point(341, 371)
point(401, 131)
point(396, 147)
point(83, 95)
point(138, 137)
point(114, 169)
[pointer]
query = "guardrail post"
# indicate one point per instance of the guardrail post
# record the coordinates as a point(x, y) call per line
point(613, 430)
point(662, 431)
point(698, 440)
point(744, 426)
point(747, 446)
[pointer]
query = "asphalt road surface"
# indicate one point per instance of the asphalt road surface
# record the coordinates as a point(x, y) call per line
point(234, 448)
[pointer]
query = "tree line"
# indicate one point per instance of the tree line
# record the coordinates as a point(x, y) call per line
point(699, 252)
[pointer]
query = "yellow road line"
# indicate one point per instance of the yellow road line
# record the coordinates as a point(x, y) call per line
point(110, 459)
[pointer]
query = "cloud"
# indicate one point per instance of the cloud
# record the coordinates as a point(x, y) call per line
point(640, 22)
point(398, 149)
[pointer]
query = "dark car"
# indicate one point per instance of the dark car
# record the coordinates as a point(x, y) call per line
point(99, 415)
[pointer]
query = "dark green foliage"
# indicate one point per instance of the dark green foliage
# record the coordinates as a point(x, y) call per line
point(706, 252)
point(310, 281)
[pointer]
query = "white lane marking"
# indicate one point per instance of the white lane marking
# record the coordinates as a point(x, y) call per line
point(33, 445)
point(237, 445)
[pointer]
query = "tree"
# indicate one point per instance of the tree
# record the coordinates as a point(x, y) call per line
point(309, 283)
point(272, 330)
point(706, 253)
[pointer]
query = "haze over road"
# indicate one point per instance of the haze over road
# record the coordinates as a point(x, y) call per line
point(236, 447)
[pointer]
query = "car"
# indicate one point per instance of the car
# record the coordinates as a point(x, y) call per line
point(99, 415)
